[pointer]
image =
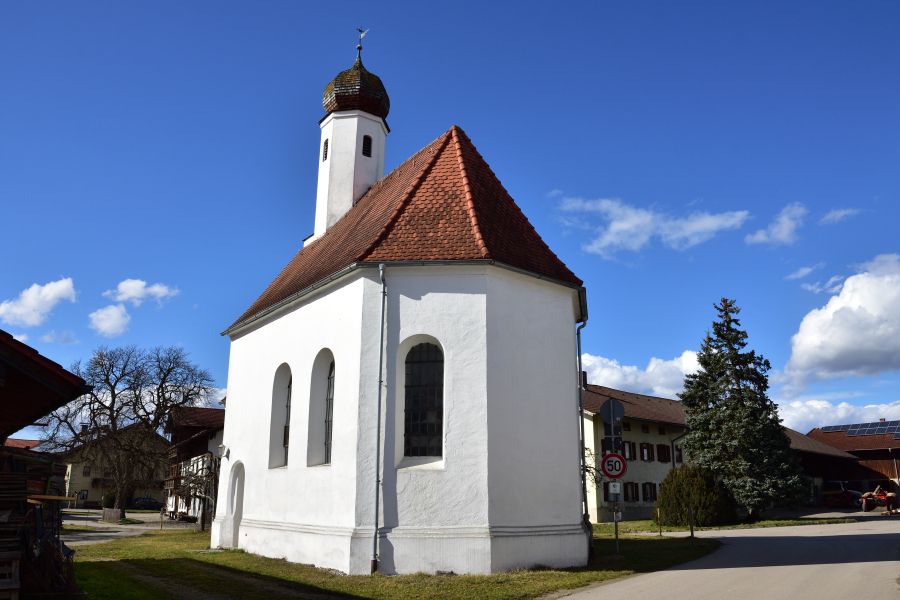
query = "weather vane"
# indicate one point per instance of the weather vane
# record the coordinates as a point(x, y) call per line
point(362, 34)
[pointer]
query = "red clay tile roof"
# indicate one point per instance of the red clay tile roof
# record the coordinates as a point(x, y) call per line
point(841, 441)
point(805, 443)
point(25, 444)
point(444, 203)
point(192, 416)
point(637, 406)
point(663, 410)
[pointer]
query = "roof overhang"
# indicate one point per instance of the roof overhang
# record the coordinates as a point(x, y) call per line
point(354, 267)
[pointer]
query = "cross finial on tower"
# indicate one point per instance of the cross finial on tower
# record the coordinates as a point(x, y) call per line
point(362, 34)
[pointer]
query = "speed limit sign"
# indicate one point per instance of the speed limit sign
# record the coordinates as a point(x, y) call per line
point(613, 465)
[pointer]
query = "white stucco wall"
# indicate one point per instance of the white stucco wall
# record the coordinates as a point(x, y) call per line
point(346, 174)
point(509, 390)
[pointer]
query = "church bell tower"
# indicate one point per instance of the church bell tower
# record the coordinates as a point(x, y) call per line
point(351, 151)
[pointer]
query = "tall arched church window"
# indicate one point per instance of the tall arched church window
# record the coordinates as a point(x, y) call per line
point(287, 420)
point(424, 401)
point(367, 145)
point(325, 151)
point(329, 409)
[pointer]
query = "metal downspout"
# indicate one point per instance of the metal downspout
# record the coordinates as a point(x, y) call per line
point(374, 564)
point(584, 497)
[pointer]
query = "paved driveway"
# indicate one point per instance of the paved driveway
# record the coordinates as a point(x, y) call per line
point(814, 562)
point(104, 532)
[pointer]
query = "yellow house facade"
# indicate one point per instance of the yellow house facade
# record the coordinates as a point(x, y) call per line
point(651, 430)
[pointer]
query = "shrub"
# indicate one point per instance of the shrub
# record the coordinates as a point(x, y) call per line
point(696, 487)
point(109, 500)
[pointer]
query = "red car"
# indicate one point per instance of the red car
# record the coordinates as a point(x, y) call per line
point(835, 495)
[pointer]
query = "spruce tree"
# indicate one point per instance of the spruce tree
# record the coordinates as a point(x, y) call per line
point(735, 430)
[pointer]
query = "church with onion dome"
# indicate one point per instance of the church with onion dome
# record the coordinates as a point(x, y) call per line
point(404, 396)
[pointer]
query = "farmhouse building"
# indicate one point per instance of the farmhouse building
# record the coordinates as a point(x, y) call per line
point(876, 446)
point(406, 390)
point(651, 432)
point(195, 434)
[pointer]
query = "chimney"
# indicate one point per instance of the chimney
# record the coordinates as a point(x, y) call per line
point(584, 379)
point(881, 420)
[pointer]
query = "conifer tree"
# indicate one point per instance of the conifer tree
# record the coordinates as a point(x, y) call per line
point(735, 430)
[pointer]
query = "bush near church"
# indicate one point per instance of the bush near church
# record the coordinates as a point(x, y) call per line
point(694, 486)
point(109, 500)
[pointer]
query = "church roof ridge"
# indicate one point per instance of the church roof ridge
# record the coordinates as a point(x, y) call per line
point(441, 204)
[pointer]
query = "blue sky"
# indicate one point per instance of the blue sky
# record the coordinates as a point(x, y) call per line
point(669, 153)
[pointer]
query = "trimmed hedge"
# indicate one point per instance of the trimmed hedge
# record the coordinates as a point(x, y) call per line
point(109, 500)
point(696, 487)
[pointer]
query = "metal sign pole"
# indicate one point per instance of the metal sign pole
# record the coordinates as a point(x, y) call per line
point(616, 520)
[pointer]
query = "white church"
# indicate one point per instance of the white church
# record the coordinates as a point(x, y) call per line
point(404, 396)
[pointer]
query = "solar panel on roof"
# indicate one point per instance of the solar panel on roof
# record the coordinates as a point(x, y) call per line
point(897, 436)
point(893, 423)
point(826, 429)
point(881, 430)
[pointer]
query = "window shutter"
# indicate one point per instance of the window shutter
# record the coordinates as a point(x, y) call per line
point(606, 491)
point(650, 450)
point(367, 146)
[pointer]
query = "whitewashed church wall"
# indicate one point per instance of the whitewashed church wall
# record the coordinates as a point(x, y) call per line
point(318, 496)
point(533, 447)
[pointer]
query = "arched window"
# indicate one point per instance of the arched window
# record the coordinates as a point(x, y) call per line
point(423, 427)
point(287, 420)
point(325, 151)
point(329, 408)
point(280, 424)
point(367, 145)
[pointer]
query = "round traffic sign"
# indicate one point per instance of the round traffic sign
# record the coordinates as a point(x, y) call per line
point(613, 465)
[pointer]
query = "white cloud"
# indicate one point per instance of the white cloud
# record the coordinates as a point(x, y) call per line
point(136, 291)
point(35, 304)
point(832, 286)
point(857, 333)
point(804, 271)
point(220, 395)
point(110, 321)
point(805, 414)
point(663, 378)
point(554, 193)
point(837, 215)
point(783, 229)
point(631, 228)
point(66, 337)
point(22, 337)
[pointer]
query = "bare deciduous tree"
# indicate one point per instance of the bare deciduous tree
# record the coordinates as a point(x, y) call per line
point(118, 426)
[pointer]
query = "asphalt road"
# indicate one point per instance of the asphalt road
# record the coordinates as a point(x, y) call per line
point(811, 562)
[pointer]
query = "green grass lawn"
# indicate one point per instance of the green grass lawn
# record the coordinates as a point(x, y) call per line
point(77, 529)
point(125, 521)
point(163, 565)
point(648, 526)
point(142, 510)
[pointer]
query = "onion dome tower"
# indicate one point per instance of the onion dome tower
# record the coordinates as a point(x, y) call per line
point(351, 151)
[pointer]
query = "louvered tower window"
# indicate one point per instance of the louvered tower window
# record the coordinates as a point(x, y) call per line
point(287, 421)
point(367, 145)
point(325, 151)
point(329, 409)
point(424, 411)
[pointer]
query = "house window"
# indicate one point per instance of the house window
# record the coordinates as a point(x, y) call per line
point(86, 472)
point(325, 151)
point(649, 492)
point(423, 430)
point(678, 458)
point(287, 421)
point(647, 452)
point(631, 492)
point(645, 429)
point(629, 450)
point(329, 409)
point(367, 146)
point(626, 426)
point(663, 453)
point(662, 430)
point(82, 495)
